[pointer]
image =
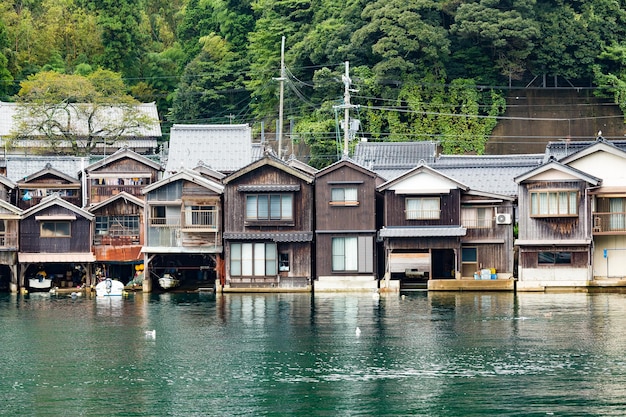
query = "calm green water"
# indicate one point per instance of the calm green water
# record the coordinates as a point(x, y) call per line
point(424, 354)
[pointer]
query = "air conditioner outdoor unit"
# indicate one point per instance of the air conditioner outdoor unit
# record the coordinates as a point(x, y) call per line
point(503, 218)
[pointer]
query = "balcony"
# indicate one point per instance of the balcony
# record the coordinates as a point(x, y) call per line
point(8, 240)
point(612, 223)
point(102, 192)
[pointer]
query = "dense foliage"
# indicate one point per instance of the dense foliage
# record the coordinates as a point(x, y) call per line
point(419, 69)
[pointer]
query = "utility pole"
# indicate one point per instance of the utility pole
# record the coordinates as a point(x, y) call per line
point(346, 108)
point(280, 104)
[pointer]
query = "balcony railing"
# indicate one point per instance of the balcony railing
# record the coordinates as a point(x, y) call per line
point(8, 240)
point(608, 223)
point(478, 223)
point(111, 190)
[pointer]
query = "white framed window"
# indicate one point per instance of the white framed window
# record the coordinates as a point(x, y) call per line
point(117, 225)
point(201, 216)
point(554, 203)
point(269, 207)
point(344, 196)
point(253, 259)
point(352, 254)
point(477, 217)
point(422, 208)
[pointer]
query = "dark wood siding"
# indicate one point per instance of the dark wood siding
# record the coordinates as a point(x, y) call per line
point(395, 209)
point(31, 241)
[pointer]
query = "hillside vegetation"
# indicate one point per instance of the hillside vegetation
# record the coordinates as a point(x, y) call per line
point(419, 69)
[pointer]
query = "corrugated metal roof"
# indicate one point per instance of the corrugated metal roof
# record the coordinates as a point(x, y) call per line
point(423, 231)
point(273, 236)
point(268, 187)
point(224, 148)
point(24, 257)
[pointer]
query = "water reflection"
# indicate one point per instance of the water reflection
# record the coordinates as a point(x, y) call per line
point(431, 354)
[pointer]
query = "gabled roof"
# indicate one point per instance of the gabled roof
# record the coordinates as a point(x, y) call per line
point(421, 169)
point(209, 172)
point(11, 210)
point(122, 154)
point(558, 166)
point(293, 162)
point(562, 149)
point(389, 159)
point(7, 182)
point(186, 175)
point(48, 170)
point(21, 166)
point(224, 148)
point(601, 145)
point(55, 200)
point(346, 161)
point(270, 160)
point(128, 198)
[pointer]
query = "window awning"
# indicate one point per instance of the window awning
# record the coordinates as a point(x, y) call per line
point(53, 218)
point(31, 258)
point(261, 188)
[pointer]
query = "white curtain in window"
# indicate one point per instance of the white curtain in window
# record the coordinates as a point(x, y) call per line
point(616, 205)
point(246, 259)
point(573, 203)
point(338, 249)
point(337, 194)
point(251, 207)
point(275, 207)
point(235, 259)
point(259, 259)
point(287, 207)
point(352, 254)
point(351, 194)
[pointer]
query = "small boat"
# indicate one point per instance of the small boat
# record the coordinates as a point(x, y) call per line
point(40, 283)
point(109, 288)
point(167, 281)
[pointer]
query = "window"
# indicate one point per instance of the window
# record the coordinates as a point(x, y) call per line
point(477, 217)
point(283, 262)
point(253, 259)
point(55, 229)
point(269, 207)
point(344, 196)
point(117, 225)
point(345, 254)
point(197, 216)
point(553, 203)
point(422, 208)
point(552, 258)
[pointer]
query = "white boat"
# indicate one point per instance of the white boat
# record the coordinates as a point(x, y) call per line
point(39, 284)
point(167, 282)
point(109, 288)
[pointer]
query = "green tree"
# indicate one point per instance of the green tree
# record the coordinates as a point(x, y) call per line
point(76, 112)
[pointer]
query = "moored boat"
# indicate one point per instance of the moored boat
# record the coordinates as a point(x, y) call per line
point(167, 281)
point(109, 288)
point(39, 283)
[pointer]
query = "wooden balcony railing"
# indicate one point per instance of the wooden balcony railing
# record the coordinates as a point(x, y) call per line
point(8, 240)
point(609, 223)
point(111, 190)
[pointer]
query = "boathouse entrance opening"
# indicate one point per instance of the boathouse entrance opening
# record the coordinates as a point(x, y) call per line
point(443, 264)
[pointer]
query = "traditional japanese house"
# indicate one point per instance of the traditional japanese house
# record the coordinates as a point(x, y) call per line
point(421, 227)
point(268, 227)
point(123, 171)
point(183, 229)
point(119, 236)
point(9, 227)
point(346, 203)
point(56, 235)
point(555, 236)
point(32, 189)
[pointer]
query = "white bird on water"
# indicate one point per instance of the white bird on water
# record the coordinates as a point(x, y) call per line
point(150, 334)
point(358, 332)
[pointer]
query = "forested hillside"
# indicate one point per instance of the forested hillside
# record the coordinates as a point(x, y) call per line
point(419, 69)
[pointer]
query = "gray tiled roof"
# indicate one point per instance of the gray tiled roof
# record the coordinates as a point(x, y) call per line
point(21, 166)
point(562, 149)
point(387, 156)
point(224, 148)
point(423, 231)
point(489, 173)
point(273, 236)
